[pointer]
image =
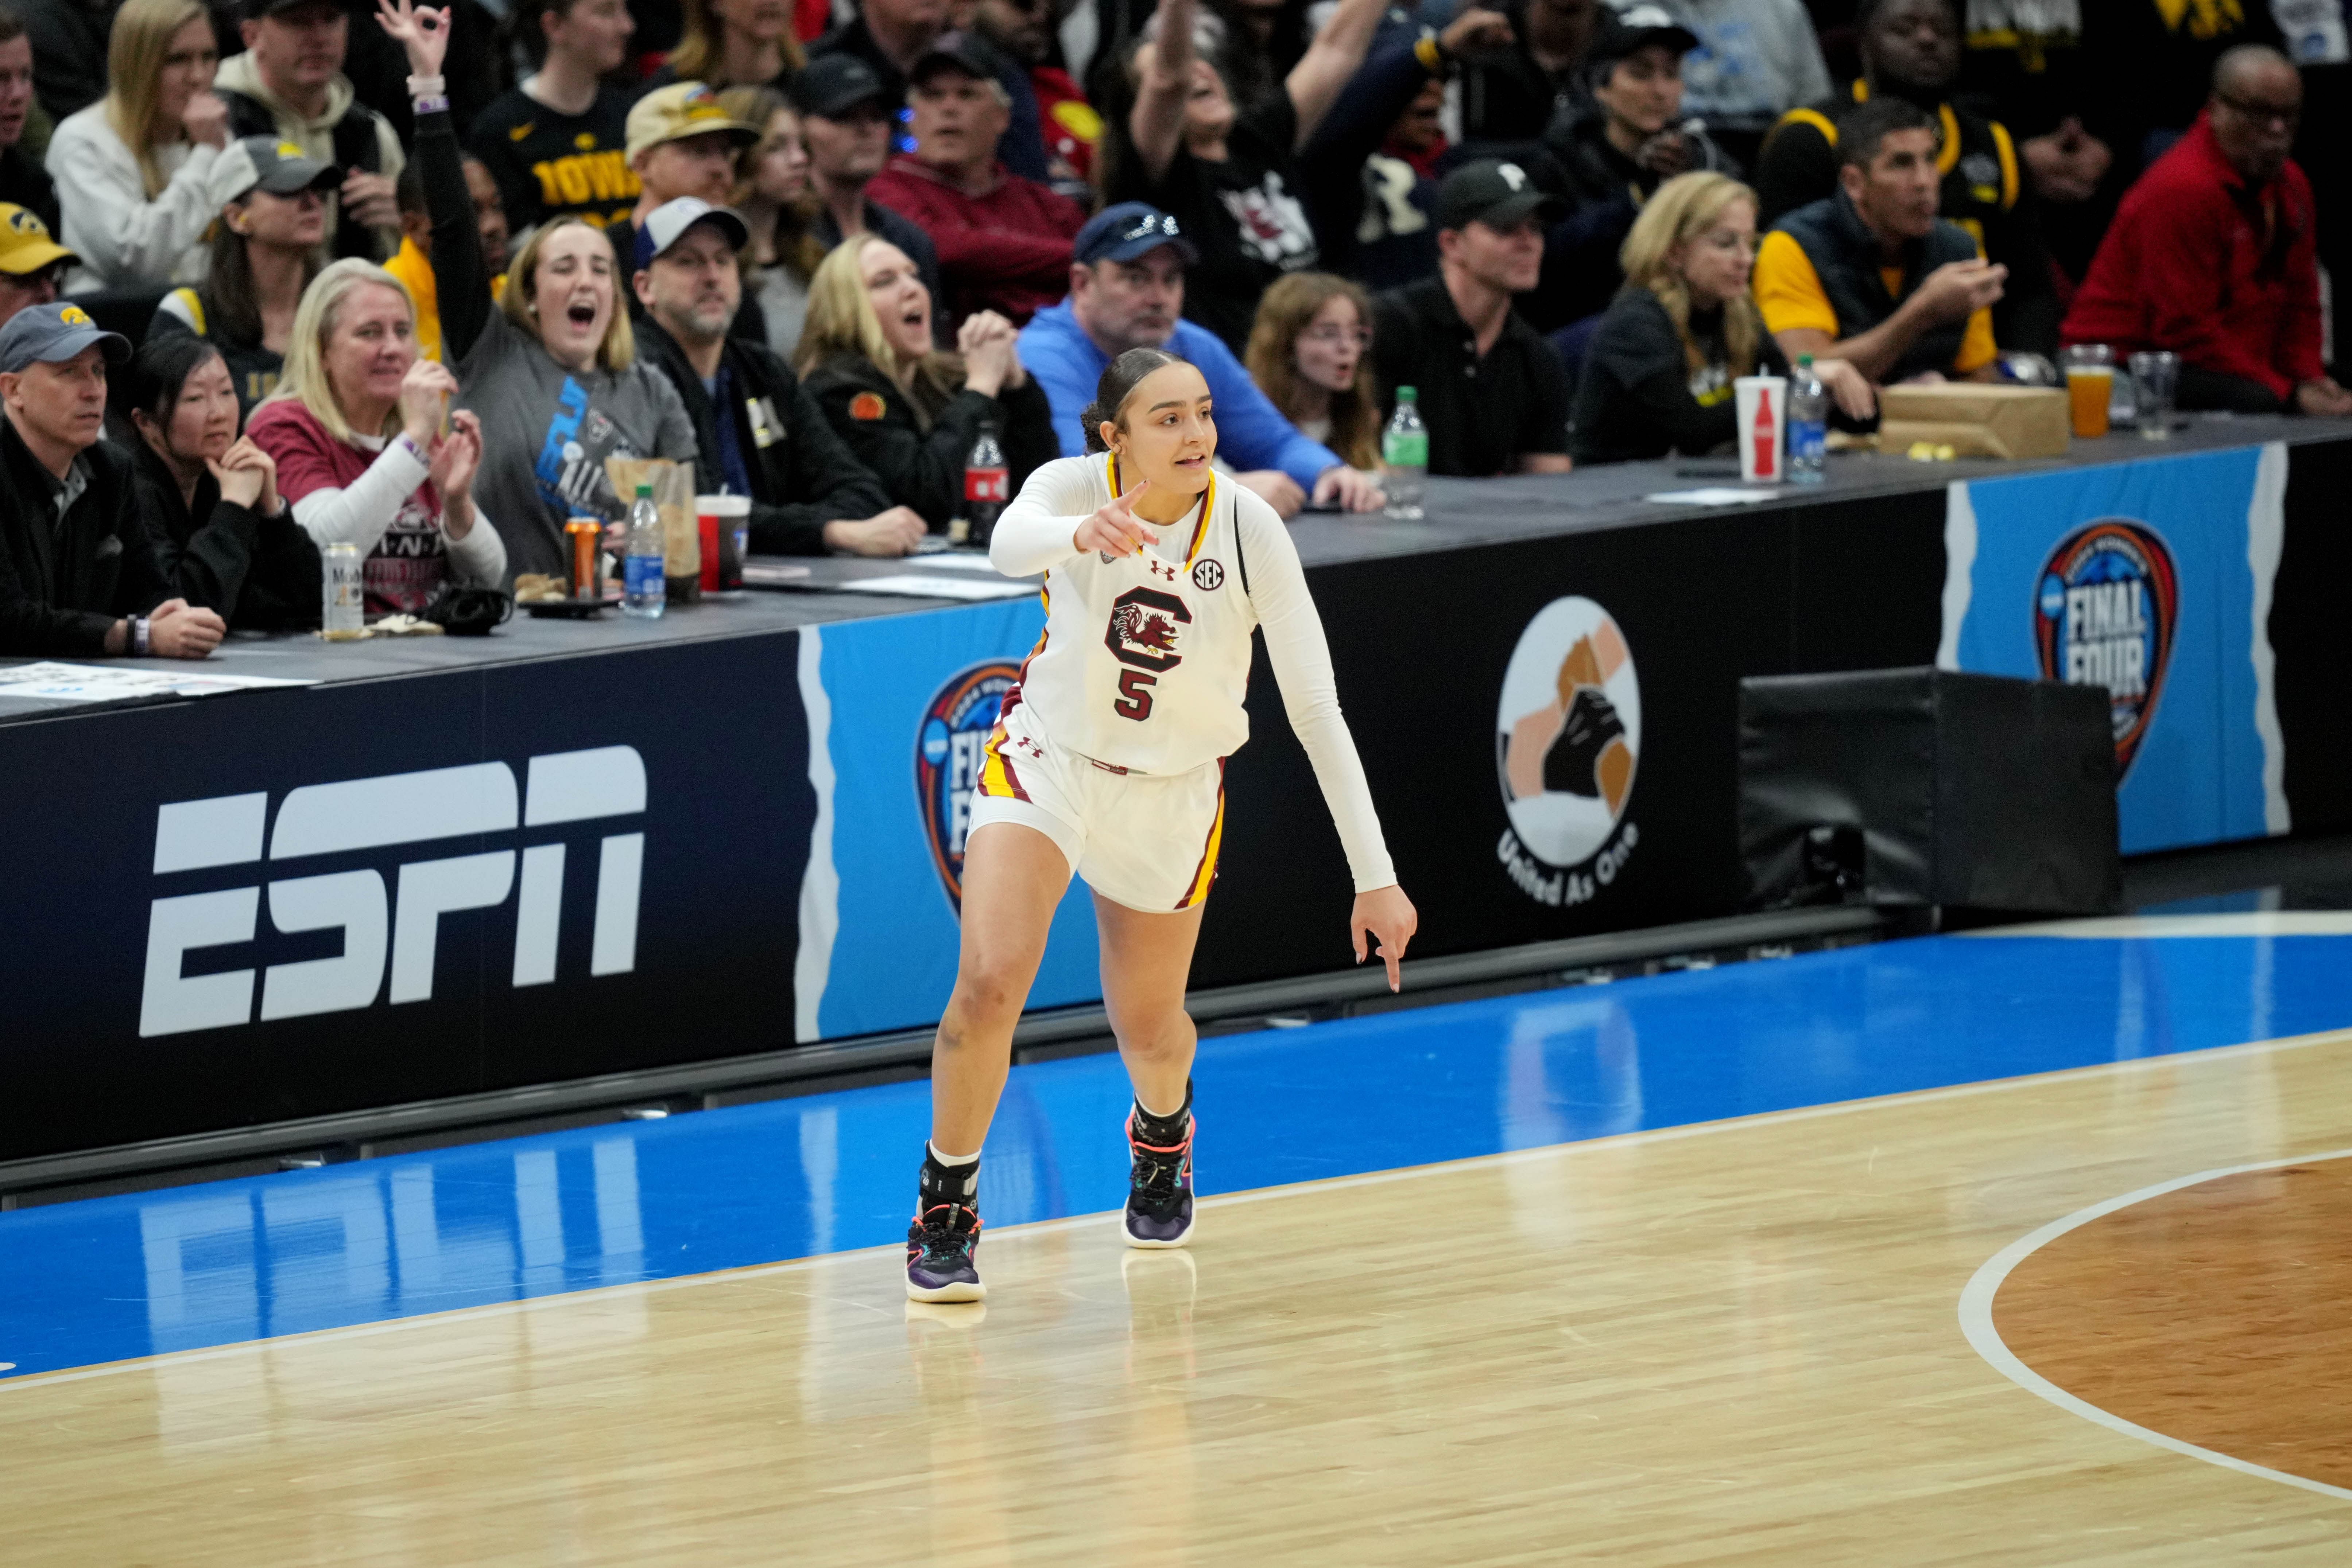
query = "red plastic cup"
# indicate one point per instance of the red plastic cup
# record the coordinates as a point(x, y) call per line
point(706, 523)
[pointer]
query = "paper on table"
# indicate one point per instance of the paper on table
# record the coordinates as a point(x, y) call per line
point(48, 680)
point(956, 560)
point(920, 587)
point(1712, 496)
point(760, 574)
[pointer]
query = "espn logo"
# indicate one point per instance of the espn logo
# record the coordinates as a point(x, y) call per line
point(361, 814)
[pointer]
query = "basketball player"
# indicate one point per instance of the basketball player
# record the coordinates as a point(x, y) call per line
point(1109, 761)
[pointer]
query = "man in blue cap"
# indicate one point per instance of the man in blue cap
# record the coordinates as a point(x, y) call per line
point(1127, 291)
point(76, 573)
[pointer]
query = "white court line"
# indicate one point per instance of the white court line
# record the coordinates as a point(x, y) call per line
point(1976, 1322)
point(1226, 1200)
point(2260, 923)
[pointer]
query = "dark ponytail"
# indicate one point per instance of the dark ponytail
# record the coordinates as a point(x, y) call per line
point(1119, 382)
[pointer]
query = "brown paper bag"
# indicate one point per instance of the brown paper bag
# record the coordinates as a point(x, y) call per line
point(1975, 421)
point(673, 486)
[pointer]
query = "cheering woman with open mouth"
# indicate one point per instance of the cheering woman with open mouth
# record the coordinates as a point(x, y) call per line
point(1107, 761)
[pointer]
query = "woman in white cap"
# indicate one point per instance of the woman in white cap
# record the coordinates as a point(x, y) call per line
point(265, 250)
point(136, 166)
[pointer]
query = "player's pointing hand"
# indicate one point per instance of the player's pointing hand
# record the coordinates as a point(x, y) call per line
point(1115, 529)
point(1386, 914)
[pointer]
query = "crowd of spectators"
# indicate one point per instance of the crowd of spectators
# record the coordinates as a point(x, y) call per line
point(300, 273)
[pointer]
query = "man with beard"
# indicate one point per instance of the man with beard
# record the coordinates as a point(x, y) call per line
point(757, 433)
point(1911, 50)
point(2213, 254)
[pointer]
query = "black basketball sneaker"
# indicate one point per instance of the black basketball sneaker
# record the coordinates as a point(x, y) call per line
point(1160, 1187)
point(940, 1248)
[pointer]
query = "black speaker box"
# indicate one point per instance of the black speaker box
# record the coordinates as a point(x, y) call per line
point(1925, 787)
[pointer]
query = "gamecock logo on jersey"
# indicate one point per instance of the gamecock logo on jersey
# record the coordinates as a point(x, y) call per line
point(950, 745)
point(1568, 737)
point(1144, 626)
point(2105, 615)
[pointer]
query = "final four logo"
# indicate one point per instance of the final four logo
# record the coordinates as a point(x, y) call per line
point(1567, 735)
point(2105, 616)
point(950, 746)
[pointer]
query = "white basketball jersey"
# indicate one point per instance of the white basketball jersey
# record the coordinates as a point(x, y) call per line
point(1146, 658)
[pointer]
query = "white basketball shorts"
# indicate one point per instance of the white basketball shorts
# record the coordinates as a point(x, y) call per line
point(1146, 841)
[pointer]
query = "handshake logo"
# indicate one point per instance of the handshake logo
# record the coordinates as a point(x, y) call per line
point(1568, 734)
point(402, 918)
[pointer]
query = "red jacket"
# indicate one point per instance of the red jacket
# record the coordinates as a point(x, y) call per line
point(1007, 251)
point(2185, 267)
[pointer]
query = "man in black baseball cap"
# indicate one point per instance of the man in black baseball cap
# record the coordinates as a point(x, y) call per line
point(1491, 391)
point(1613, 153)
point(1004, 241)
point(890, 38)
point(847, 124)
point(77, 575)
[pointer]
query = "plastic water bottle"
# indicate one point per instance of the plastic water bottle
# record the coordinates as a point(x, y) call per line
point(1404, 456)
point(1809, 424)
point(643, 591)
point(987, 486)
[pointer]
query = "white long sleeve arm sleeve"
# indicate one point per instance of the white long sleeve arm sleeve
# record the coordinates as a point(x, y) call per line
point(360, 512)
point(123, 238)
point(1037, 530)
point(1310, 695)
point(480, 557)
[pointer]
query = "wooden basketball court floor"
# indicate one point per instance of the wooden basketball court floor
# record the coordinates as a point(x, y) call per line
point(1938, 1252)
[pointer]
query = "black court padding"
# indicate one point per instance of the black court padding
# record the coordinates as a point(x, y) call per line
point(1969, 791)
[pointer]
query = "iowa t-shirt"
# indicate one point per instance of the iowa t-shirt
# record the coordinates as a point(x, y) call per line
point(551, 165)
point(1246, 216)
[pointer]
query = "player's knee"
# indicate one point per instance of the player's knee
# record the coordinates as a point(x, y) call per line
point(1164, 1040)
point(989, 994)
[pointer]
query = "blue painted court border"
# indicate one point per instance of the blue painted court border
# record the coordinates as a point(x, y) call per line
point(115, 1278)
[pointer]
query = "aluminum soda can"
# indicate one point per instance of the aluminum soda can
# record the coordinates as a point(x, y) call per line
point(587, 536)
point(344, 614)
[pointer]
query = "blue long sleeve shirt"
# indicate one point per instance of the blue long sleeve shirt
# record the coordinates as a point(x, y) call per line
point(1251, 431)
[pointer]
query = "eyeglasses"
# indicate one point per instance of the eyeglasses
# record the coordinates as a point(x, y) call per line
point(1333, 337)
point(2286, 117)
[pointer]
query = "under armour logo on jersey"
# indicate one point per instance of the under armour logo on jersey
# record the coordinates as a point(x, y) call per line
point(1159, 569)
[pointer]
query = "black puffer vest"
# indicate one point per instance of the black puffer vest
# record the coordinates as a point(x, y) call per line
point(1845, 257)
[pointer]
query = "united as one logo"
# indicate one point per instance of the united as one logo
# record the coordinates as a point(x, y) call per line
point(1567, 737)
point(950, 746)
point(2105, 615)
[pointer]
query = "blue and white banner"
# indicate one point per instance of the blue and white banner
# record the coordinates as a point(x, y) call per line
point(2153, 580)
point(898, 709)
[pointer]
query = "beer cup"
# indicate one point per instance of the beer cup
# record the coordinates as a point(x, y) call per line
point(2090, 387)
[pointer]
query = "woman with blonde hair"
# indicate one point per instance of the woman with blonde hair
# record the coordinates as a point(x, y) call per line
point(356, 431)
point(135, 168)
point(1311, 354)
point(772, 195)
point(734, 42)
point(907, 412)
point(1657, 377)
point(550, 368)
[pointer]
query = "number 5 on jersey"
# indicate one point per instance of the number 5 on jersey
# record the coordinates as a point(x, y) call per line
point(1145, 624)
point(1134, 695)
